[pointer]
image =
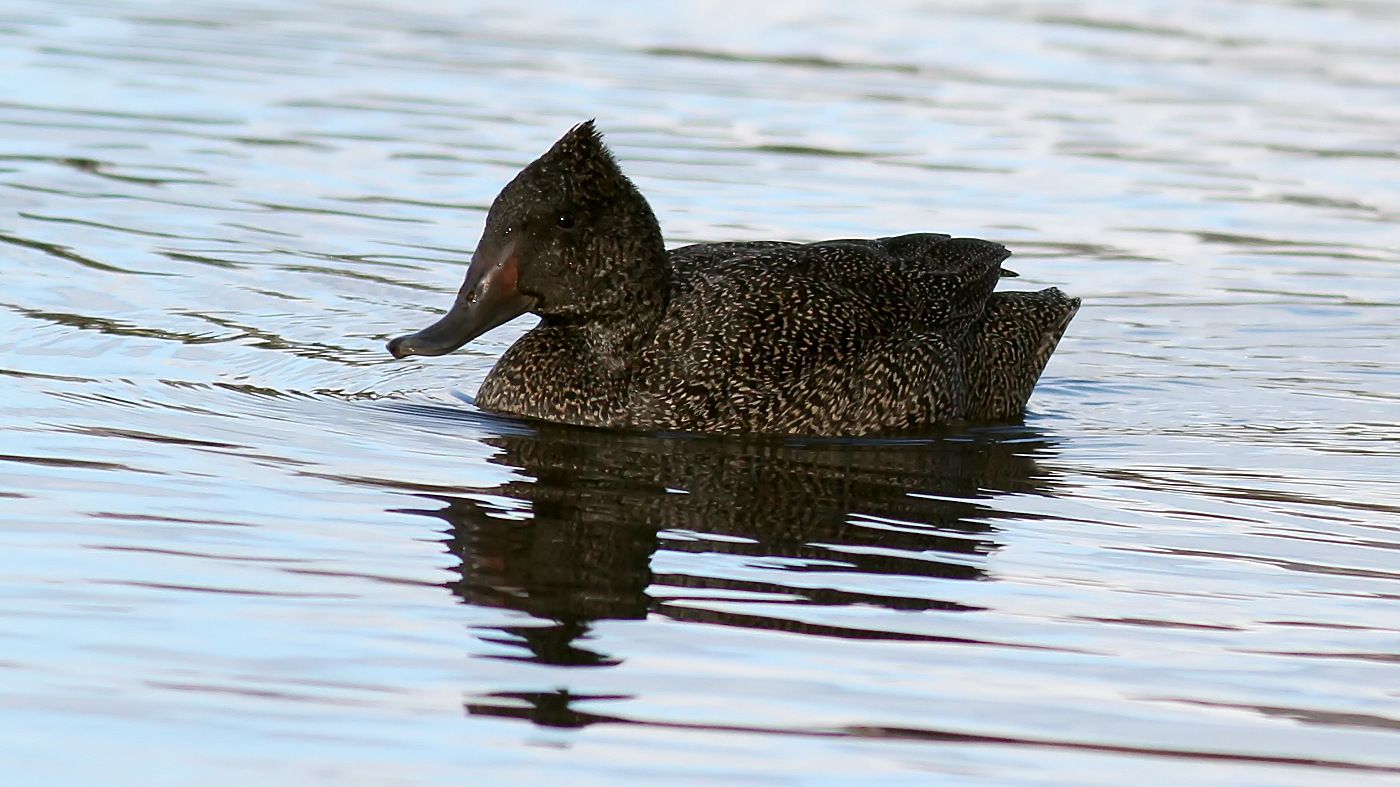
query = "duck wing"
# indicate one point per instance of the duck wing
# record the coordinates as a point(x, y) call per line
point(1005, 338)
point(934, 281)
point(764, 313)
point(688, 263)
point(951, 278)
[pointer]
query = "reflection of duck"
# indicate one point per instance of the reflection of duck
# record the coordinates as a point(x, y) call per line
point(842, 337)
point(597, 501)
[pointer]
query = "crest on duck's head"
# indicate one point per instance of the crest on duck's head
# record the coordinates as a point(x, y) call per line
point(580, 150)
point(584, 136)
point(578, 166)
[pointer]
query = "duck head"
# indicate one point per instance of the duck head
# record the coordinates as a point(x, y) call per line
point(569, 239)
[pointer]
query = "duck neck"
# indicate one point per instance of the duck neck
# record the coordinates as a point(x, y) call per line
point(579, 368)
point(610, 342)
point(608, 348)
point(621, 320)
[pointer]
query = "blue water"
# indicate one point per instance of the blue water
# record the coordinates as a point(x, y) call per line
point(240, 544)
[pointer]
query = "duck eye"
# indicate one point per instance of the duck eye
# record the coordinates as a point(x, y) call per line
point(565, 221)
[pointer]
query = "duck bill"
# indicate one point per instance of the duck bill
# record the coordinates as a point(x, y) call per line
point(488, 298)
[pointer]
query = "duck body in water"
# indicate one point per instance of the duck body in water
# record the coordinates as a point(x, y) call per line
point(841, 337)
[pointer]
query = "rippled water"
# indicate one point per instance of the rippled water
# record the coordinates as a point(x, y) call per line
point(238, 542)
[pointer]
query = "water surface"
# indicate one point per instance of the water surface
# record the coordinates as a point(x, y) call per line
point(241, 543)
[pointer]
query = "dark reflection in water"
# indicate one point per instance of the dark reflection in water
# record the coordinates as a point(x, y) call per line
point(545, 708)
point(570, 541)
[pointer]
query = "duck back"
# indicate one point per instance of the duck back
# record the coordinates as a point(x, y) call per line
point(842, 337)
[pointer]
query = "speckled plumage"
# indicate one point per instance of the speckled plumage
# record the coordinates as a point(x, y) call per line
point(841, 337)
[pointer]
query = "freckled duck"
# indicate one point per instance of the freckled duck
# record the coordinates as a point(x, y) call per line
point(840, 337)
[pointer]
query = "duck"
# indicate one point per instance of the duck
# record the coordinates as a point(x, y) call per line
point(836, 338)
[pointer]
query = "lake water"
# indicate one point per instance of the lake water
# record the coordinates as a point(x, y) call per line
point(240, 544)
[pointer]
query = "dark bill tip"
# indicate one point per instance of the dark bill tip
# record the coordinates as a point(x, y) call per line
point(401, 347)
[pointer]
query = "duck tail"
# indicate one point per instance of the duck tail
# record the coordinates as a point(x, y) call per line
point(1007, 348)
